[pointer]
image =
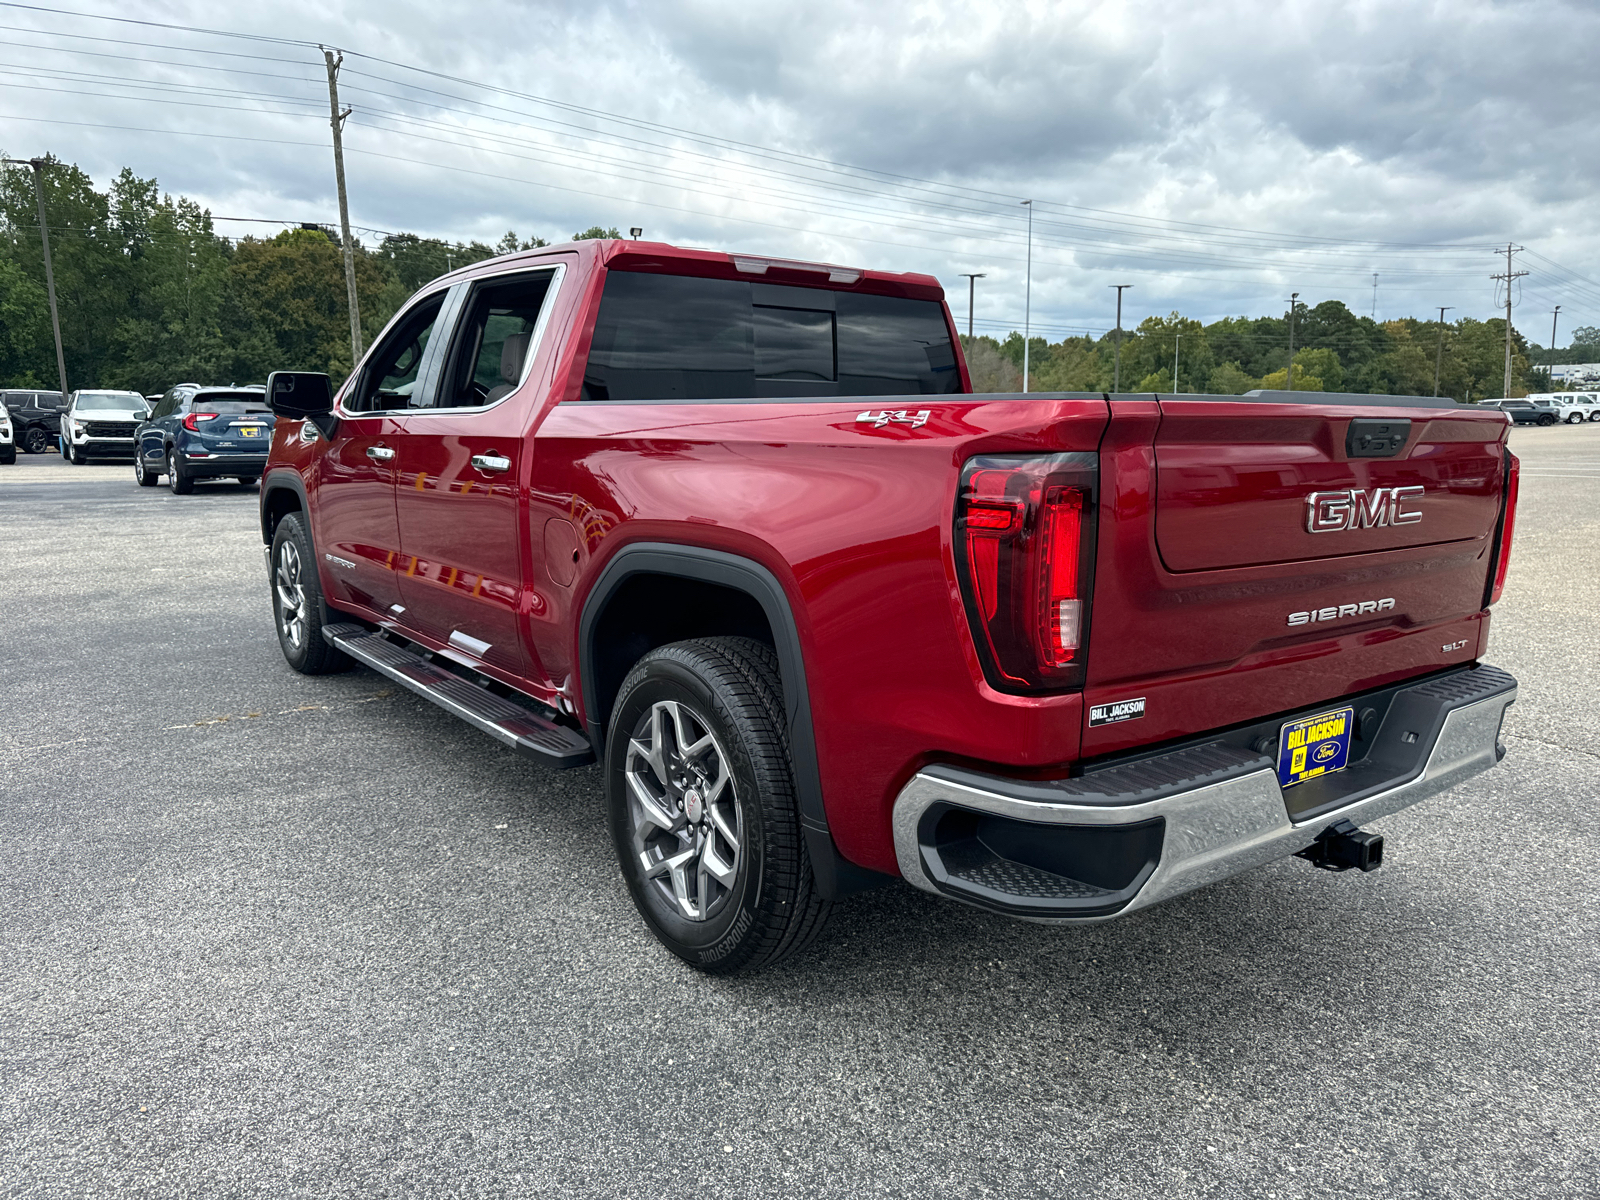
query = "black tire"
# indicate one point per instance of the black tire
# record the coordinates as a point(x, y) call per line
point(8, 455)
point(142, 475)
point(1575, 419)
point(730, 689)
point(294, 570)
point(1548, 419)
point(249, 480)
point(181, 483)
point(70, 453)
point(35, 441)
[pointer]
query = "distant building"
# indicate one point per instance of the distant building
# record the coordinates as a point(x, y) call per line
point(1574, 373)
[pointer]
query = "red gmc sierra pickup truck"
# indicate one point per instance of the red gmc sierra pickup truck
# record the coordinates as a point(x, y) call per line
point(737, 529)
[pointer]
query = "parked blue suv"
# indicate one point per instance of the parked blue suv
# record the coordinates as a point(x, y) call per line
point(199, 432)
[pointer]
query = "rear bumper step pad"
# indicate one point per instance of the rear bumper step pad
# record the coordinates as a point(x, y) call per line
point(504, 720)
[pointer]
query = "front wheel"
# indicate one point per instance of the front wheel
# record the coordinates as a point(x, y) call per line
point(297, 602)
point(8, 454)
point(70, 453)
point(35, 441)
point(703, 810)
point(142, 474)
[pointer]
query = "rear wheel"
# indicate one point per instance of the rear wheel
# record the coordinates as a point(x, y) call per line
point(702, 803)
point(1575, 419)
point(35, 441)
point(144, 476)
point(248, 480)
point(1548, 419)
point(8, 454)
point(297, 602)
point(181, 483)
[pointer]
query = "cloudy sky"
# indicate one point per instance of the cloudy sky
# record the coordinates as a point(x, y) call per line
point(1217, 156)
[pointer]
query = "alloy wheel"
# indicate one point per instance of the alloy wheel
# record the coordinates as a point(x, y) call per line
point(687, 830)
point(286, 579)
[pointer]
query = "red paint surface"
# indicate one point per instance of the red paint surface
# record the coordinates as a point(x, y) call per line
point(1202, 552)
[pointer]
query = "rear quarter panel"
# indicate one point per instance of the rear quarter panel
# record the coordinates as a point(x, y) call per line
point(855, 522)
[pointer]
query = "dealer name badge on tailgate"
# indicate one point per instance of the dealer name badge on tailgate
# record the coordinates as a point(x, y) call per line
point(1315, 746)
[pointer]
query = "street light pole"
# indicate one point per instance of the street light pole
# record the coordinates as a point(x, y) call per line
point(1116, 362)
point(972, 284)
point(1552, 371)
point(1177, 338)
point(38, 165)
point(1288, 379)
point(1027, 299)
point(1438, 362)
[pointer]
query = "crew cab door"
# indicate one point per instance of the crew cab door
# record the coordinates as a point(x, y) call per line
point(358, 533)
point(459, 476)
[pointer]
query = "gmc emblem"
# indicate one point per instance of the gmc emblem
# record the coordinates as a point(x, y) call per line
point(1357, 508)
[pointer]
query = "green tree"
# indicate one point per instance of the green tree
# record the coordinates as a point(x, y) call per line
point(1274, 381)
point(1230, 380)
point(597, 231)
point(291, 304)
point(1322, 363)
point(24, 327)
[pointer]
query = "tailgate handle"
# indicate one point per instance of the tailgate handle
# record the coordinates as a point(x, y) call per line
point(1368, 438)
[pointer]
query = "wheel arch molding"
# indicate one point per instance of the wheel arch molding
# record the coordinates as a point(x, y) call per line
point(751, 592)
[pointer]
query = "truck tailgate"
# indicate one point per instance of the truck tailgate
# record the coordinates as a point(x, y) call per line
point(1255, 560)
point(1234, 481)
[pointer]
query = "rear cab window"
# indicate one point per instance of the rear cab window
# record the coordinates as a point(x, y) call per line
point(672, 337)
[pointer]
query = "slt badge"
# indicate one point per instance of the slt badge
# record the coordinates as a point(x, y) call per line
point(879, 419)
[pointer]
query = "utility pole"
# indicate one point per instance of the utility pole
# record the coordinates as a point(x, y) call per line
point(972, 286)
point(1552, 370)
point(1438, 362)
point(336, 119)
point(1374, 295)
point(38, 165)
point(1288, 379)
point(1116, 362)
point(1027, 300)
point(1508, 277)
point(1176, 339)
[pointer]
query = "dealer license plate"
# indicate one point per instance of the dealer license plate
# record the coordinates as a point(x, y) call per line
point(1314, 746)
point(249, 431)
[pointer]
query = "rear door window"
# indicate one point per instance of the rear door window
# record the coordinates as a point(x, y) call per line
point(669, 337)
point(493, 346)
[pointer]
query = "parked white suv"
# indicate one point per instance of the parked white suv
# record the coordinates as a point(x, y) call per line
point(8, 442)
point(1572, 408)
point(101, 425)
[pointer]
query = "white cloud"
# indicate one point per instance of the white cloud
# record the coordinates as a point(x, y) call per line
point(1401, 123)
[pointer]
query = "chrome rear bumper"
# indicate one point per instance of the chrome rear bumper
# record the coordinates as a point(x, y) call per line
point(1208, 830)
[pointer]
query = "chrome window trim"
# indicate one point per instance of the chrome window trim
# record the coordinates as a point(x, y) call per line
point(558, 273)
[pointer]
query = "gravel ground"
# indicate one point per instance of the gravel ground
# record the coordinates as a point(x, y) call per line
point(276, 936)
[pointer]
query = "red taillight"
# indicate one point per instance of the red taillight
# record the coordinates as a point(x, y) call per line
point(192, 421)
point(1508, 522)
point(1025, 555)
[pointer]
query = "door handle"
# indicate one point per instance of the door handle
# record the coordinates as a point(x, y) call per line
point(491, 462)
point(381, 453)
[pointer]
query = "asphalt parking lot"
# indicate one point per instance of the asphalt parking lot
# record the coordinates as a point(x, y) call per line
point(276, 936)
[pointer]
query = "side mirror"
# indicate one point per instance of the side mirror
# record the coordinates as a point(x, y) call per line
point(303, 396)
